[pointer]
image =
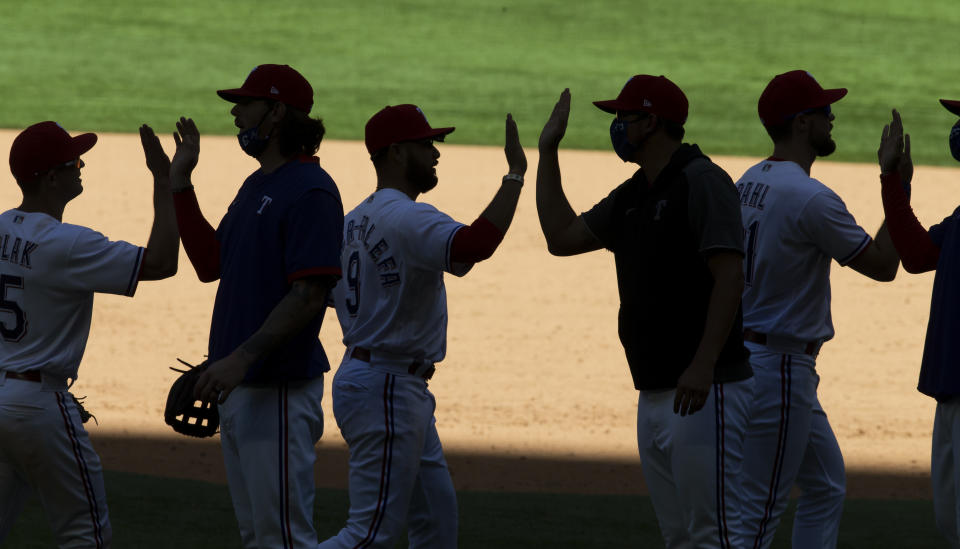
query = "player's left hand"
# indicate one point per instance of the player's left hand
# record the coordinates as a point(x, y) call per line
point(516, 159)
point(693, 388)
point(157, 160)
point(223, 376)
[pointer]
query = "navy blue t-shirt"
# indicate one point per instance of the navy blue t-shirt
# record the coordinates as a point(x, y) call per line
point(281, 227)
point(940, 369)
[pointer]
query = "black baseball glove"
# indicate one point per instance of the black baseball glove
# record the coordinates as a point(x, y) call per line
point(186, 414)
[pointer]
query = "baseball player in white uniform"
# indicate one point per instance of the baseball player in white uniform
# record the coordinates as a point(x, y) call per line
point(49, 272)
point(392, 306)
point(794, 227)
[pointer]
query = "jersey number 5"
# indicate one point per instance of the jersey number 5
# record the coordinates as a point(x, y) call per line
point(10, 306)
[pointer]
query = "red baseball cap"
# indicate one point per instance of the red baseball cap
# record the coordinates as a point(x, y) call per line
point(951, 105)
point(399, 123)
point(44, 146)
point(277, 82)
point(653, 94)
point(791, 93)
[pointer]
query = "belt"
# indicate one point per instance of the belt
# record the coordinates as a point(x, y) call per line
point(809, 348)
point(362, 354)
point(25, 376)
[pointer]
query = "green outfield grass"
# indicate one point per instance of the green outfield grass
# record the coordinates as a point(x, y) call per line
point(150, 512)
point(107, 65)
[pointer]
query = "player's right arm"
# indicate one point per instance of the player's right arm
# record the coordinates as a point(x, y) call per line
point(198, 236)
point(163, 245)
point(565, 231)
point(478, 241)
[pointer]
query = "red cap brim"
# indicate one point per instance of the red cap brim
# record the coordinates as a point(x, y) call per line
point(830, 97)
point(81, 144)
point(612, 106)
point(951, 105)
point(235, 95)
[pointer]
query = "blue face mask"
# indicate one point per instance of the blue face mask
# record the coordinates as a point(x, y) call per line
point(251, 142)
point(955, 141)
point(621, 145)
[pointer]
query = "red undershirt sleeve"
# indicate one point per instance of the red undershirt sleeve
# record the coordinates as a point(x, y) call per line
point(475, 242)
point(198, 236)
point(918, 253)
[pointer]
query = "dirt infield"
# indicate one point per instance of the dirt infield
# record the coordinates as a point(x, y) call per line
point(534, 371)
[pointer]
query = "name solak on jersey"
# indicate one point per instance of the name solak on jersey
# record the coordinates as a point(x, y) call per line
point(16, 250)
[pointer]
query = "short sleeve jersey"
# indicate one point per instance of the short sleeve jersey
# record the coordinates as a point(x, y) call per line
point(281, 227)
point(49, 272)
point(793, 227)
point(391, 299)
point(662, 234)
point(939, 375)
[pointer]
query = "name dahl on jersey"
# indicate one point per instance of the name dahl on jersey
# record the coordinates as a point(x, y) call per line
point(377, 250)
point(752, 194)
point(16, 250)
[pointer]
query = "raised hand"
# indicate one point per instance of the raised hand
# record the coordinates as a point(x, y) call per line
point(891, 145)
point(556, 125)
point(157, 161)
point(906, 165)
point(516, 159)
point(187, 139)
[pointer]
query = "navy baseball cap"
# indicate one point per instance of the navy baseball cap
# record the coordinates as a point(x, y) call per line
point(44, 146)
point(399, 123)
point(653, 94)
point(791, 93)
point(951, 105)
point(276, 82)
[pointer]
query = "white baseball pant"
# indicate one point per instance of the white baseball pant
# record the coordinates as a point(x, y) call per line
point(45, 450)
point(789, 441)
point(398, 475)
point(268, 434)
point(692, 465)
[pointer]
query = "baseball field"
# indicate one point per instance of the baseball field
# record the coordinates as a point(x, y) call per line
point(535, 405)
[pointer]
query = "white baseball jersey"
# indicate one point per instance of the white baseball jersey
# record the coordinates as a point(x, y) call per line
point(793, 226)
point(49, 272)
point(391, 298)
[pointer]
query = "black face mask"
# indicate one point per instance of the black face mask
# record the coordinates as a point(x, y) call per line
point(250, 140)
point(955, 141)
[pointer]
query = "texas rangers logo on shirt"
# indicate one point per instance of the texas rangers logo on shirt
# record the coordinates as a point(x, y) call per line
point(660, 207)
point(264, 202)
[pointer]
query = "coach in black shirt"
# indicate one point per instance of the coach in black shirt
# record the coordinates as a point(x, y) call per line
point(677, 238)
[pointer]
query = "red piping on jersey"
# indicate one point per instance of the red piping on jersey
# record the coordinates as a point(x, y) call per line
point(475, 242)
point(918, 253)
point(776, 159)
point(336, 271)
point(198, 236)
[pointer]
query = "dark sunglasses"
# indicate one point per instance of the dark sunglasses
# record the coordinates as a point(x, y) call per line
point(628, 117)
point(825, 110)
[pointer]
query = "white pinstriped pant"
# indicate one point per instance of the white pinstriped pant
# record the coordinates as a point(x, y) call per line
point(789, 441)
point(398, 475)
point(692, 465)
point(45, 450)
point(945, 469)
point(268, 434)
